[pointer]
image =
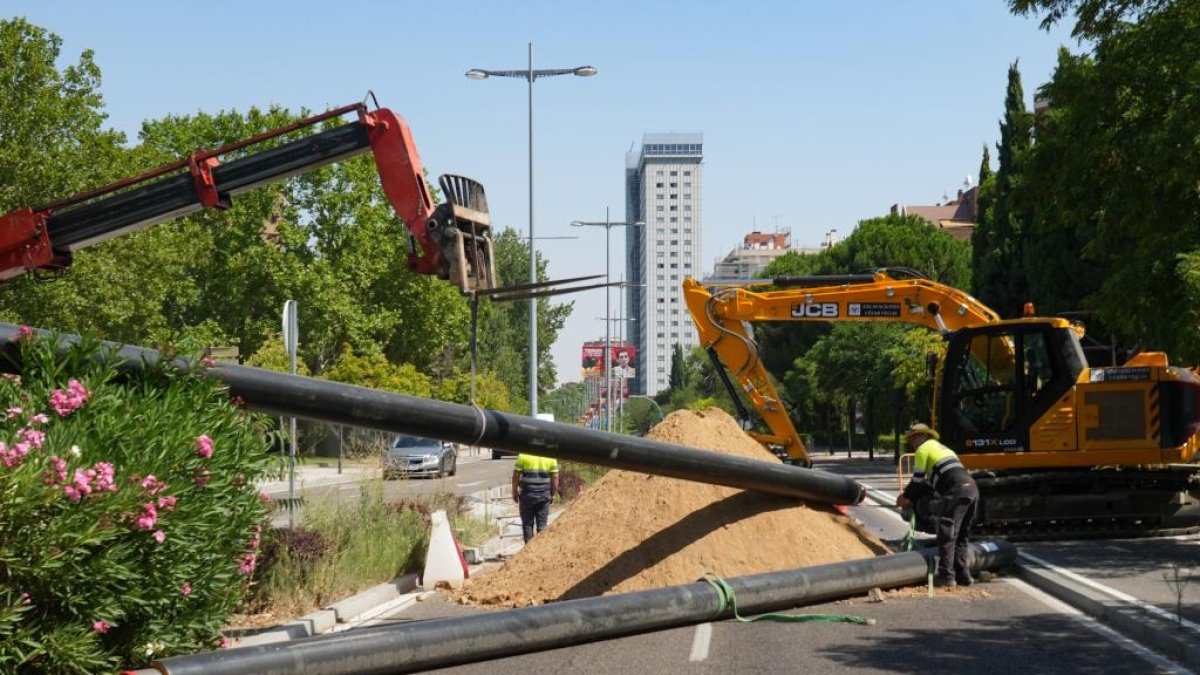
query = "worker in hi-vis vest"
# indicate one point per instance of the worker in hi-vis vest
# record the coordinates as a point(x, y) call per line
point(534, 485)
point(938, 475)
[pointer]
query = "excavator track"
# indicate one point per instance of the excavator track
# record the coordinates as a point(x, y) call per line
point(1089, 504)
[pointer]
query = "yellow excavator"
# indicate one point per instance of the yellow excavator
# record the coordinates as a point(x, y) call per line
point(1060, 449)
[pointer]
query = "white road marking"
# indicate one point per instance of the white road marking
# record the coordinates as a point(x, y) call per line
point(1114, 593)
point(700, 643)
point(1058, 605)
point(471, 484)
point(1164, 664)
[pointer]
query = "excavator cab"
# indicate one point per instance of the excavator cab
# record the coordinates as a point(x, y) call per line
point(999, 379)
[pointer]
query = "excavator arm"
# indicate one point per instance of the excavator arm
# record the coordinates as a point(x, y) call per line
point(723, 316)
point(451, 240)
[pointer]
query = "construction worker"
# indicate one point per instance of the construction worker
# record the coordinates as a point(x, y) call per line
point(534, 485)
point(939, 475)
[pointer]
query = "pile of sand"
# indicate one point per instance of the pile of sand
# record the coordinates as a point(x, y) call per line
point(633, 531)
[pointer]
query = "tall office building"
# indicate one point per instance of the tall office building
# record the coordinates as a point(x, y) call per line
point(663, 183)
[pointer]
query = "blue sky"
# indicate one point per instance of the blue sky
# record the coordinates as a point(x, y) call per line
point(815, 115)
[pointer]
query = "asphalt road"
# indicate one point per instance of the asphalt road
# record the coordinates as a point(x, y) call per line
point(1004, 626)
point(475, 473)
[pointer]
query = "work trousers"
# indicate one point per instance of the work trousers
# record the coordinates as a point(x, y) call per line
point(954, 533)
point(535, 510)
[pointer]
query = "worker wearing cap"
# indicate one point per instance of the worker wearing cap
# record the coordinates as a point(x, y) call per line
point(938, 473)
point(534, 484)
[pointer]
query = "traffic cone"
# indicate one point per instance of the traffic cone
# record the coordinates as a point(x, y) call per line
point(444, 561)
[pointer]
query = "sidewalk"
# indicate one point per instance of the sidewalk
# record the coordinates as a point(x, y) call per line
point(311, 475)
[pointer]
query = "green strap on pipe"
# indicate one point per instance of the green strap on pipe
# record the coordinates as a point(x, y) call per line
point(727, 600)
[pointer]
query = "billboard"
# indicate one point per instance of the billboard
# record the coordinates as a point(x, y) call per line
point(623, 362)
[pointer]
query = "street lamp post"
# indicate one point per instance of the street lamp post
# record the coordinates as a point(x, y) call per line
point(530, 75)
point(608, 225)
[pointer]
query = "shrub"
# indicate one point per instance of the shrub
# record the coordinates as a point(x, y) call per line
point(129, 520)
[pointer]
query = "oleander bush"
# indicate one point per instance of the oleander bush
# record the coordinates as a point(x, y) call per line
point(130, 524)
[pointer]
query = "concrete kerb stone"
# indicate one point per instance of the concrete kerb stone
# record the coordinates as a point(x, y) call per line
point(1135, 622)
point(347, 609)
point(325, 620)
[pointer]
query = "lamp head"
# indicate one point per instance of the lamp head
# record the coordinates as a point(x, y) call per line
point(585, 71)
point(477, 74)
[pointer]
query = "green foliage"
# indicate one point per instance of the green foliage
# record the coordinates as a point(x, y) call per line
point(1001, 234)
point(362, 543)
point(128, 513)
point(376, 372)
point(490, 392)
point(504, 342)
point(52, 143)
point(273, 355)
point(1111, 183)
point(1093, 18)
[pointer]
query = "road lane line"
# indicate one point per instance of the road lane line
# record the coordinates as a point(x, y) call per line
point(1164, 664)
point(1115, 594)
point(700, 643)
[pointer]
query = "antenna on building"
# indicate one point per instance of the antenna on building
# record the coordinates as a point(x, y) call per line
point(967, 182)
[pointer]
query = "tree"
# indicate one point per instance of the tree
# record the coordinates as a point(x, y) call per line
point(1093, 18)
point(985, 199)
point(1000, 277)
point(1115, 168)
point(504, 346)
point(52, 140)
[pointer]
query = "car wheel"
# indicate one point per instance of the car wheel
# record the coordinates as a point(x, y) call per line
point(454, 466)
point(441, 472)
point(495, 454)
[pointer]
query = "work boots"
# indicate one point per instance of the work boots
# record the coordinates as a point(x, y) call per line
point(965, 580)
point(944, 581)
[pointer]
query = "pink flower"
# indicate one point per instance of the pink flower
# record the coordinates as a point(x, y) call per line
point(167, 503)
point(25, 333)
point(101, 626)
point(64, 402)
point(204, 446)
point(153, 485)
point(72, 493)
point(149, 517)
point(60, 471)
point(208, 361)
point(263, 496)
point(32, 436)
point(14, 412)
point(159, 536)
point(15, 379)
point(223, 642)
point(248, 563)
point(25, 599)
point(40, 418)
point(186, 589)
point(105, 479)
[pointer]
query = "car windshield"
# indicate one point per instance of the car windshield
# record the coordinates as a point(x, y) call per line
point(416, 443)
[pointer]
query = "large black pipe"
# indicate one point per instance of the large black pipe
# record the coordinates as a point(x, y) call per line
point(282, 394)
point(423, 645)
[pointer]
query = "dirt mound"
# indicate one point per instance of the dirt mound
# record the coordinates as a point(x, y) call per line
point(633, 531)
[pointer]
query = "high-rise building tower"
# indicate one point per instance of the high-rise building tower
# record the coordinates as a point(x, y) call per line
point(663, 184)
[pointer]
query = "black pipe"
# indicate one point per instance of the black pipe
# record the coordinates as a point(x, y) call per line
point(336, 403)
point(422, 645)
